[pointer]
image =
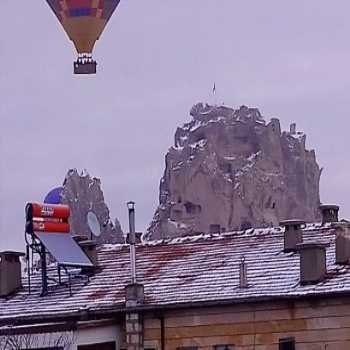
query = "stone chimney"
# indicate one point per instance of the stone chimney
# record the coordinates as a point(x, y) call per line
point(138, 238)
point(134, 296)
point(80, 238)
point(10, 272)
point(313, 267)
point(89, 248)
point(293, 234)
point(214, 228)
point(293, 129)
point(329, 213)
point(342, 244)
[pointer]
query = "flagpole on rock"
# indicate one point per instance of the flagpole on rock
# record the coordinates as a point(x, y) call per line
point(214, 94)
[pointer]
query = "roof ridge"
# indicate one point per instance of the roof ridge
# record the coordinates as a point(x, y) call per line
point(212, 236)
point(203, 237)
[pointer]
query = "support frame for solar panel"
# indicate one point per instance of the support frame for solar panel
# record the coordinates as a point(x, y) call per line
point(37, 247)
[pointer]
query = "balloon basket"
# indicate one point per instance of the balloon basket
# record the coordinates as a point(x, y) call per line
point(83, 67)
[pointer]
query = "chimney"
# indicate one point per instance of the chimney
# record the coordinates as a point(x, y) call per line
point(329, 213)
point(134, 294)
point(243, 277)
point(293, 129)
point(80, 238)
point(214, 228)
point(10, 272)
point(293, 234)
point(312, 262)
point(138, 238)
point(89, 248)
point(342, 244)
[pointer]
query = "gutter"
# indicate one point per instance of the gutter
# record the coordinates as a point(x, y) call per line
point(39, 329)
point(119, 311)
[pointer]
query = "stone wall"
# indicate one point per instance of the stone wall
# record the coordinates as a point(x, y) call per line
point(315, 325)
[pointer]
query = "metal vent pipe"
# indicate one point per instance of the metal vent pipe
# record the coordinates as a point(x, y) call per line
point(132, 240)
point(243, 276)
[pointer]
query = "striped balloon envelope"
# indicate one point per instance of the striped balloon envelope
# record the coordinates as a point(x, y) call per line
point(84, 22)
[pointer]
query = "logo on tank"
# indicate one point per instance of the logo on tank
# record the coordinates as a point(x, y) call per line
point(47, 211)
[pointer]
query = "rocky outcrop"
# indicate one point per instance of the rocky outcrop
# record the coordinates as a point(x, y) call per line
point(230, 170)
point(83, 193)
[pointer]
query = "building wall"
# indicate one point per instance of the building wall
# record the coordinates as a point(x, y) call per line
point(315, 324)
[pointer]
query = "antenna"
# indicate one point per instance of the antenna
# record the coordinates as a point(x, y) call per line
point(94, 224)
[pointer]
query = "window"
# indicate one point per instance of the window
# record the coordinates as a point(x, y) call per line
point(224, 347)
point(101, 346)
point(150, 345)
point(193, 209)
point(287, 344)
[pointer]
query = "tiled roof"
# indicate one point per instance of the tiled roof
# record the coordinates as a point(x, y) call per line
point(202, 268)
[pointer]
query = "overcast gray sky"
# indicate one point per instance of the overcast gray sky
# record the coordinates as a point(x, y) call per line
point(291, 59)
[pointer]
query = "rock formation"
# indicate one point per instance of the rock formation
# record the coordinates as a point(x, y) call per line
point(83, 193)
point(230, 170)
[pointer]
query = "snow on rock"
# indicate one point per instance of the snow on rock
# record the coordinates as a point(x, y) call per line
point(229, 169)
point(83, 193)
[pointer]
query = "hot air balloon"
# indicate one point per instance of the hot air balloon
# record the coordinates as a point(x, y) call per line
point(54, 196)
point(84, 22)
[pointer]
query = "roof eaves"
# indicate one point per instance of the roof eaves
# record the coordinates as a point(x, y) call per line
point(117, 311)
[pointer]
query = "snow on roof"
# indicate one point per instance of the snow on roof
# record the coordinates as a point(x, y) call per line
point(203, 268)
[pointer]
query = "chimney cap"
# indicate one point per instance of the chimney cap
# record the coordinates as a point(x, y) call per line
point(292, 222)
point(80, 238)
point(329, 206)
point(131, 205)
point(87, 243)
point(312, 245)
point(11, 253)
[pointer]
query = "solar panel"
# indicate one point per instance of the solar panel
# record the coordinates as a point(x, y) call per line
point(64, 249)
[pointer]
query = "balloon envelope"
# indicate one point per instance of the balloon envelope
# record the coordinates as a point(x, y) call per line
point(54, 196)
point(83, 20)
